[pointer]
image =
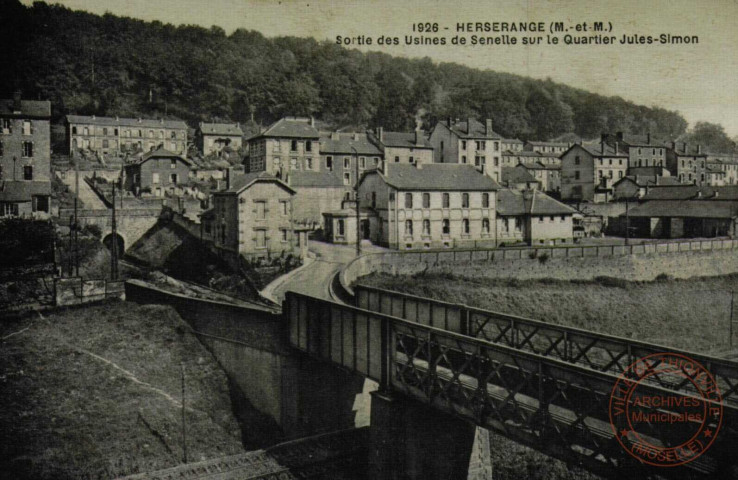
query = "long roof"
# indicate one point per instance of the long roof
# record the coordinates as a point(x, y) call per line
point(28, 108)
point(516, 175)
point(435, 176)
point(306, 179)
point(477, 130)
point(512, 202)
point(240, 183)
point(344, 141)
point(22, 191)
point(126, 122)
point(290, 127)
point(685, 209)
point(405, 140)
point(159, 153)
point(596, 150)
point(229, 129)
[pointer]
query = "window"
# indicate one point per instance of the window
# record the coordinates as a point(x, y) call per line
point(293, 164)
point(505, 225)
point(463, 145)
point(27, 172)
point(412, 160)
point(173, 164)
point(374, 199)
point(74, 129)
point(563, 218)
point(2, 149)
point(173, 178)
point(464, 200)
point(463, 159)
point(173, 135)
point(27, 149)
point(497, 146)
point(86, 131)
point(283, 207)
point(362, 162)
point(465, 226)
point(309, 164)
point(426, 227)
point(409, 228)
point(283, 232)
point(329, 163)
point(485, 200)
point(154, 177)
point(293, 145)
point(161, 133)
point(105, 131)
point(260, 210)
point(518, 223)
point(426, 200)
point(308, 146)
point(540, 219)
point(479, 160)
point(610, 161)
point(485, 225)
point(151, 134)
point(173, 146)
point(445, 227)
point(620, 174)
point(397, 159)
point(577, 160)
point(261, 239)
point(27, 127)
point(347, 179)
point(341, 228)
point(481, 145)
point(576, 175)
point(346, 162)
point(446, 200)
point(408, 200)
point(106, 144)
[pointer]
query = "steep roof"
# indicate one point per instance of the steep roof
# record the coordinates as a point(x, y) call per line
point(512, 202)
point(29, 108)
point(516, 175)
point(596, 150)
point(240, 183)
point(160, 153)
point(299, 178)
point(672, 192)
point(685, 209)
point(536, 143)
point(229, 129)
point(652, 171)
point(541, 166)
point(513, 140)
point(342, 143)
point(21, 191)
point(405, 140)
point(650, 180)
point(291, 127)
point(436, 176)
point(126, 122)
point(477, 130)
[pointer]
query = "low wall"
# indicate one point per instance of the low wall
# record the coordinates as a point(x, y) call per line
point(74, 291)
point(251, 343)
point(682, 259)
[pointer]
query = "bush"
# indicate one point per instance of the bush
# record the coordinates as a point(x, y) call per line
point(92, 230)
point(532, 254)
point(543, 258)
point(612, 282)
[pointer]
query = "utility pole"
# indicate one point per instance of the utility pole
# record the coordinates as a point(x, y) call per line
point(184, 425)
point(356, 190)
point(76, 224)
point(730, 329)
point(627, 222)
point(114, 243)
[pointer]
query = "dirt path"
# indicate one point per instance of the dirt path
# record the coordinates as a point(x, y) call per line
point(86, 194)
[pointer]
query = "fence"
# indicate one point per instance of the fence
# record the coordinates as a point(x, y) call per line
point(74, 291)
point(388, 261)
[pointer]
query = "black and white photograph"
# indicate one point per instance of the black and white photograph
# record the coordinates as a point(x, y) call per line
point(368, 239)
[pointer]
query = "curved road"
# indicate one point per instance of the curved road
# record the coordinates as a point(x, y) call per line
point(315, 279)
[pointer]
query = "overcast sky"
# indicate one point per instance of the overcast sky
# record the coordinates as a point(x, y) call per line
point(698, 80)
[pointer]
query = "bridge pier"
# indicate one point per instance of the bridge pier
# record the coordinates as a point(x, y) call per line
point(410, 440)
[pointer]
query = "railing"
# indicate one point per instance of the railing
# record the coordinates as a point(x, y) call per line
point(600, 352)
point(546, 403)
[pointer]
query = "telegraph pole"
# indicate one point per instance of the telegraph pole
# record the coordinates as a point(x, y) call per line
point(184, 425)
point(356, 190)
point(114, 243)
point(730, 330)
point(76, 224)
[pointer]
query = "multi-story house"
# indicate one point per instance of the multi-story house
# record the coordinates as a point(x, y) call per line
point(688, 165)
point(511, 145)
point(402, 147)
point(728, 163)
point(468, 143)
point(25, 157)
point(529, 157)
point(549, 176)
point(290, 144)
point(212, 138)
point(253, 217)
point(548, 148)
point(532, 217)
point(428, 206)
point(642, 150)
point(588, 172)
point(114, 135)
point(156, 172)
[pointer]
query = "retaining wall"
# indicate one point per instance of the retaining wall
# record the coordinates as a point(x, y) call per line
point(74, 291)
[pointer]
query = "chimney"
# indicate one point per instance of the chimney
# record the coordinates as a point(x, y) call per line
point(380, 133)
point(468, 125)
point(418, 164)
point(356, 136)
point(648, 138)
point(312, 121)
point(335, 136)
point(684, 147)
point(488, 126)
point(617, 144)
point(93, 117)
point(228, 178)
point(17, 102)
point(448, 121)
point(673, 145)
point(620, 136)
point(139, 119)
point(699, 149)
point(418, 134)
point(602, 146)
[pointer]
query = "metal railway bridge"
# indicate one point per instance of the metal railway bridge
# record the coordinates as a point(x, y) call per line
point(444, 368)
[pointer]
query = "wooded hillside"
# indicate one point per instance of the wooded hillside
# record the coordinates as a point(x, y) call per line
point(108, 65)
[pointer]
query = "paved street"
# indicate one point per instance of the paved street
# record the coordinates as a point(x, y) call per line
point(89, 198)
point(315, 279)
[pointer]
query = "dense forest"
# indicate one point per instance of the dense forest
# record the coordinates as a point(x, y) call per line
point(109, 65)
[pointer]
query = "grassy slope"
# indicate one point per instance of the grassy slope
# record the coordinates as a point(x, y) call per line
point(69, 414)
point(690, 314)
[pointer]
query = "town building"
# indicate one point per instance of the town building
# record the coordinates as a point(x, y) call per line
point(511, 145)
point(547, 175)
point(212, 138)
point(428, 206)
point(340, 153)
point(25, 157)
point(547, 148)
point(686, 163)
point(156, 172)
point(402, 147)
point(588, 172)
point(533, 218)
point(340, 226)
point(692, 218)
point(253, 217)
point(519, 178)
point(529, 157)
point(642, 150)
point(290, 144)
point(468, 143)
point(116, 136)
point(728, 163)
point(634, 187)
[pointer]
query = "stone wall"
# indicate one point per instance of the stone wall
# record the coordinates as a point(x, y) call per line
point(74, 291)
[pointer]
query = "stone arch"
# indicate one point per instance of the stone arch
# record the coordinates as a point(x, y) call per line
point(110, 238)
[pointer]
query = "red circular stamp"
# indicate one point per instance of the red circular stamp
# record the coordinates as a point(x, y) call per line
point(665, 409)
